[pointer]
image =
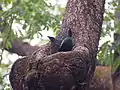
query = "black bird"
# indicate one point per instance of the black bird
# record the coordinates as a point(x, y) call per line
point(67, 43)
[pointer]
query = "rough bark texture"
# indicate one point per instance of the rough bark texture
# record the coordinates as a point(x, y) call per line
point(47, 69)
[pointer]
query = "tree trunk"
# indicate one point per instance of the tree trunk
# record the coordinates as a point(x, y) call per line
point(48, 69)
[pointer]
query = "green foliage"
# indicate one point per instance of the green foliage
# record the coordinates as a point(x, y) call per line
point(32, 15)
point(4, 84)
point(107, 50)
point(105, 54)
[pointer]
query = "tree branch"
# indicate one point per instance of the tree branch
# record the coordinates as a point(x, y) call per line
point(51, 70)
point(22, 48)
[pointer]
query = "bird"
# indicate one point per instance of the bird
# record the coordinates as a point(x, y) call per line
point(67, 43)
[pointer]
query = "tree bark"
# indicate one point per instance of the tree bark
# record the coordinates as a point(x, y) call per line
point(22, 48)
point(48, 69)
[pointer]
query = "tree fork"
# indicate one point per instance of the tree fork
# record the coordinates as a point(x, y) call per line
point(71, 70)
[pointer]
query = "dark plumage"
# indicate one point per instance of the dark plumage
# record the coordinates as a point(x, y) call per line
point(67, 43)
point(52, 39)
